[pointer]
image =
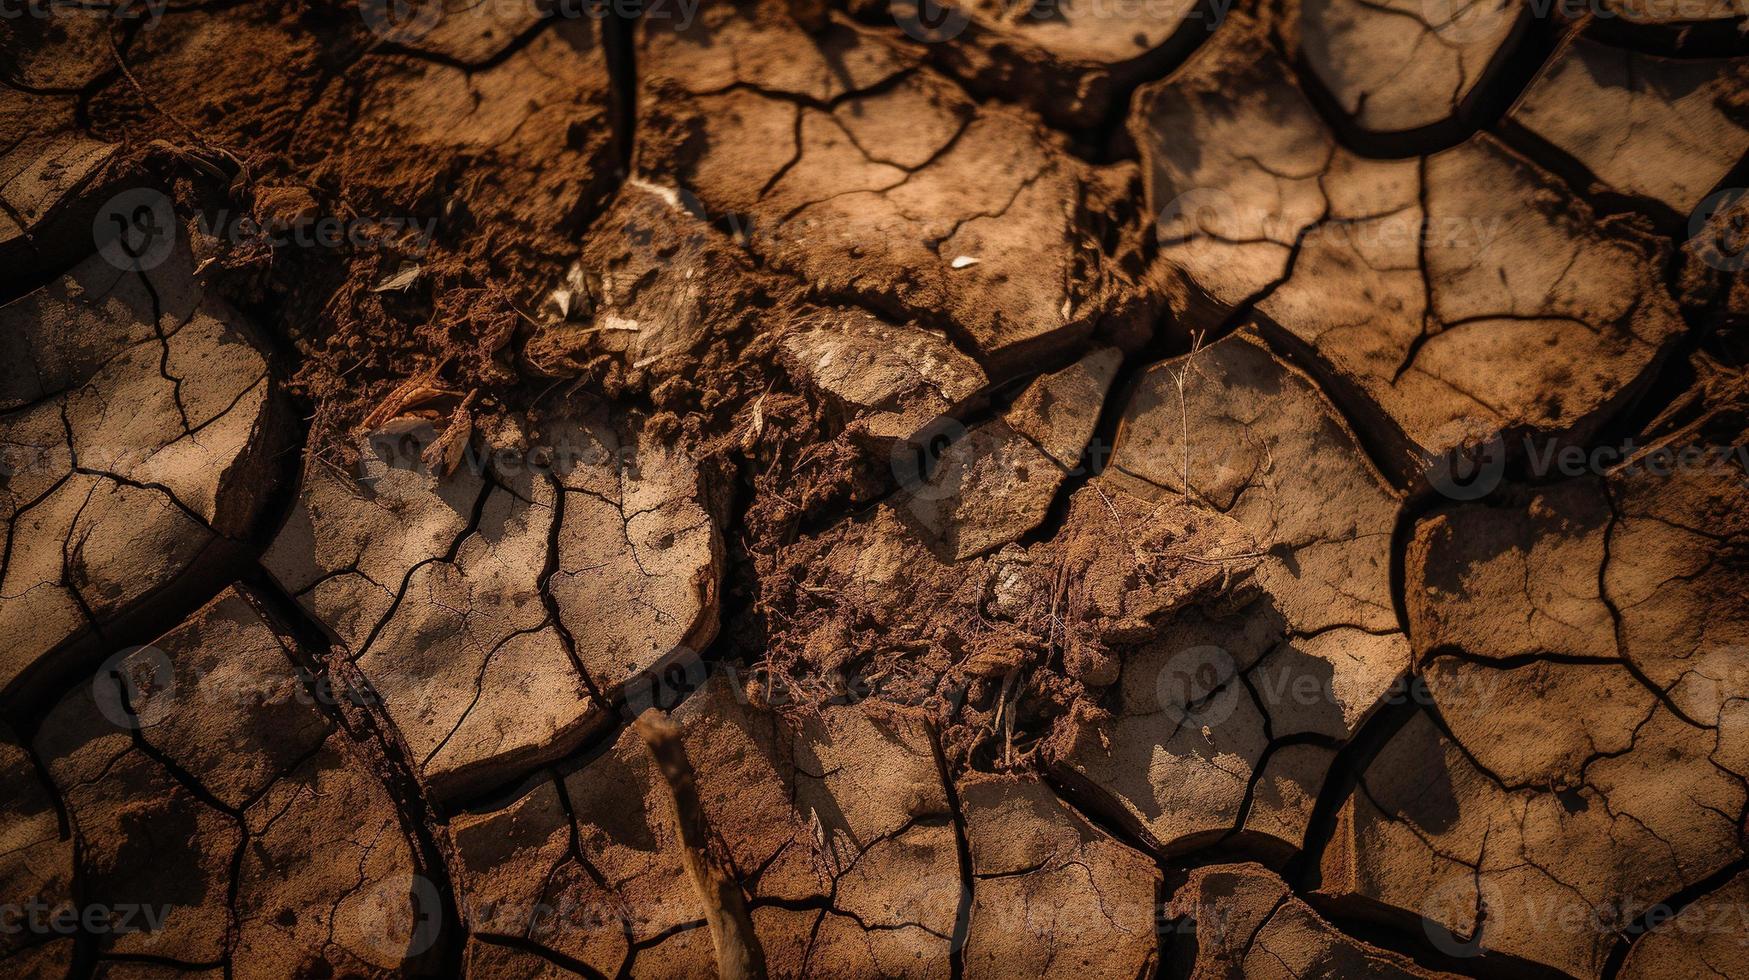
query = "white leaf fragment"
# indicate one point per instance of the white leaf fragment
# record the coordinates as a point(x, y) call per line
point(400, 279)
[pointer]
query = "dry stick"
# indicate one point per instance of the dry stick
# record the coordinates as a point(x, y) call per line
point(1008, 722)
point(738, 954)
point(1002, 702)
point(1183, 406)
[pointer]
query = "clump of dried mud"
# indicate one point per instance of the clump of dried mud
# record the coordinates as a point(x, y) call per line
point(1091, 490)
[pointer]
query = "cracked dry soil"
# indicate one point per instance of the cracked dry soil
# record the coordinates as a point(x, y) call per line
point(804, 489)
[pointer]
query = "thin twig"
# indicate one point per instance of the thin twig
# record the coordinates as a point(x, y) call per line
point(1178, 378)
point(738, 954)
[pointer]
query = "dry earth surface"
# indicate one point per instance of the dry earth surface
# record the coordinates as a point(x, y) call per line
point(1086, 488)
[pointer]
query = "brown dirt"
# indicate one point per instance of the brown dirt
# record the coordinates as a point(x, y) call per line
point(1086, 489)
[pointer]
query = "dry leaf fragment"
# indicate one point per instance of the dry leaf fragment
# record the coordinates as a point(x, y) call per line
point(445, 452)
point(401, 425)
point(408, 394)
point(400, 279)
point(757, 427)
point(574, 300)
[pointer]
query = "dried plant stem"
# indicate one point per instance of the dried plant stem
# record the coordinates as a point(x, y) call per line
point(738, 954)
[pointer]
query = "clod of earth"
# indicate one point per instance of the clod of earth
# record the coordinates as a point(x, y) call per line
point(207, 787)
point(1213, 735)
point(834, 489)
point(468, 601)
point(1445, 300)
point(39, 858)
point(1664, 129)
point(891, 382)
point(1583, 657)
point(139, 423)
point(1666, 953)
point(1044, 876)
point(870, 179)
point(48, 166)
point(840, 829)
point(39, 182)
point(1071, 62)
point(1403, 66)
point(996, 484)
point(1247, 922)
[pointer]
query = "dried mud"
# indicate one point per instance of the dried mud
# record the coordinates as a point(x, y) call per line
point(808, 489)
